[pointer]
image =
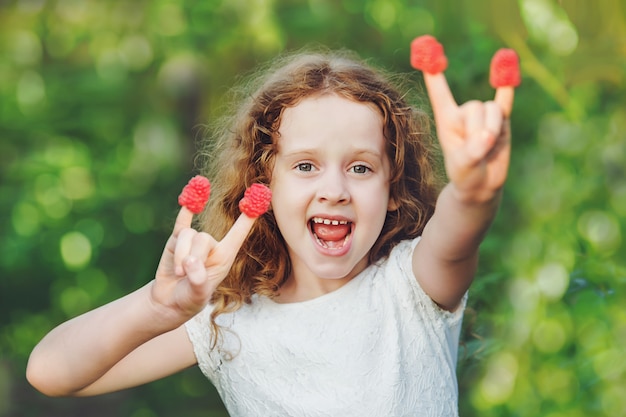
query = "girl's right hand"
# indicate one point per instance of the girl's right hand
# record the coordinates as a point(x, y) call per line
point(193, 264)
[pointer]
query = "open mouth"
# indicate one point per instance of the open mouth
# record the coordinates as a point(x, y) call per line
point(331, 233)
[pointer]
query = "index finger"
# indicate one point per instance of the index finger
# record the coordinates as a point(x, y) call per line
point(183, 220)
point(427, 55)
point(193, 198)
point(441, 98)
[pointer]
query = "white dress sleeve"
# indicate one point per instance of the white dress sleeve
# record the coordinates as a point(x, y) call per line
point(200, 334)
point(448, 322)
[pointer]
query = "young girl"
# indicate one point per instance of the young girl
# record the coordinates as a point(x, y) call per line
point(346, 299)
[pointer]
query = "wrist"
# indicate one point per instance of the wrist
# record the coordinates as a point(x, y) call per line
point(162, 317)
point(474, 197)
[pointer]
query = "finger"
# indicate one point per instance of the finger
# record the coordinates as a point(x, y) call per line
point(494, 118)
point(504, 97)
point(183, 220)
point(504, 76)
point(197, 292)
point(194, 270)
point(235, 237)
point(478, 146)
point(483, 124)
point(428, 56)
point(502, 144)
point(441, 98)
point(181, 248)
point(202, 244)
point(184, 242)
point(473, 117)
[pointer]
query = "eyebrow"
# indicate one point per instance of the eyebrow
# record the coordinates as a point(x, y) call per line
point(307, 151)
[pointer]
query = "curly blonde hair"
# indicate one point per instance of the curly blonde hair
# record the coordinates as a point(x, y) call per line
point(242, 148)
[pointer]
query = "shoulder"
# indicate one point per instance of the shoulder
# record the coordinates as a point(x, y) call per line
point(398, 275)
point(399, 261)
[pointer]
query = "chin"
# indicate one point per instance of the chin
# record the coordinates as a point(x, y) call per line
point(333, 272)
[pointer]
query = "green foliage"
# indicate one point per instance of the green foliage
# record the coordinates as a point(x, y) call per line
point(100, 106)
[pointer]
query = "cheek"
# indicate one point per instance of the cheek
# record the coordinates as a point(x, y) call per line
point(375, 204)
point(287, 199)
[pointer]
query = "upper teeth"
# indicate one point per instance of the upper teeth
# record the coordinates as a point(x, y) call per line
point(328, 221)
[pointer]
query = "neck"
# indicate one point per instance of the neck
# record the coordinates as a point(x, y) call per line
point(299, 289)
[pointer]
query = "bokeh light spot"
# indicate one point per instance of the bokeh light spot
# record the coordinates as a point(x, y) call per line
point(613, 400)
point(75, 250)
point(383, 13)
point(549, 335)
point(523, 295)
point(549, 25)
point(601, 229)
point(552, 280)
point(74, 301)
point(136, 52)
point(172, 21)
point(499, 380)
point(49, 195)
point(26, 48)
point(609, 364)
point(77, 183)
point(31, 91)
point(556, 383)
point(25, 219)
point(563, 38)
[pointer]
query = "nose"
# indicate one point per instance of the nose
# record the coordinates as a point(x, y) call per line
point(333, 187)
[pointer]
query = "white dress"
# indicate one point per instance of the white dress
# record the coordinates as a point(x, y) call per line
point(378, 346)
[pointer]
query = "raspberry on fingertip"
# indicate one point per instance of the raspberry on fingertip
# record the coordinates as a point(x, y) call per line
point(504, 70)
point(427, 55)
point(195, 194)
point(256, 200)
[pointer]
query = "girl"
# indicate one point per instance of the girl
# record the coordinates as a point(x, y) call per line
point(346, 299)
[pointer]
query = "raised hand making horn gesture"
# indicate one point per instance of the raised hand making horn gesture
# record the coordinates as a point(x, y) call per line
point(476, 141)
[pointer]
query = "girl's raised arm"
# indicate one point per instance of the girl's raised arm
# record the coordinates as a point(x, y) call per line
point(140, 337)
point(476, 142)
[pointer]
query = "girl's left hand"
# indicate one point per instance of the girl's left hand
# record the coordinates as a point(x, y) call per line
point(475, 138)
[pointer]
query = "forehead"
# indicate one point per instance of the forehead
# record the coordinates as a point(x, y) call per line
point(326, 104)
point(331, 116)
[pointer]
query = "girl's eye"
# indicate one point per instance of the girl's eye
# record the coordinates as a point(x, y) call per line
point(360, 169)
point(304, 167)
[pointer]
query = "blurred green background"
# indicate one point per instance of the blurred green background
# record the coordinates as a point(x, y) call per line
point(101, 107)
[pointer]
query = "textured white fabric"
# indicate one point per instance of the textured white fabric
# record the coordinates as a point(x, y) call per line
point(378, 346)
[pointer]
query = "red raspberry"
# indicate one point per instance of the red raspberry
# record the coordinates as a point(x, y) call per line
point(195, 194)
point(504, 70)
point(427, 55)
point(255, 201)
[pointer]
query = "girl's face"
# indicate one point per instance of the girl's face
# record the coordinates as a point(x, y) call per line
point(330, 186)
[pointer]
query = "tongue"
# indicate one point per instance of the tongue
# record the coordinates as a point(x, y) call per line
point(329, 232)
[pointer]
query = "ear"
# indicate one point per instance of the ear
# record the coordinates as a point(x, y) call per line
point(393, 204)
